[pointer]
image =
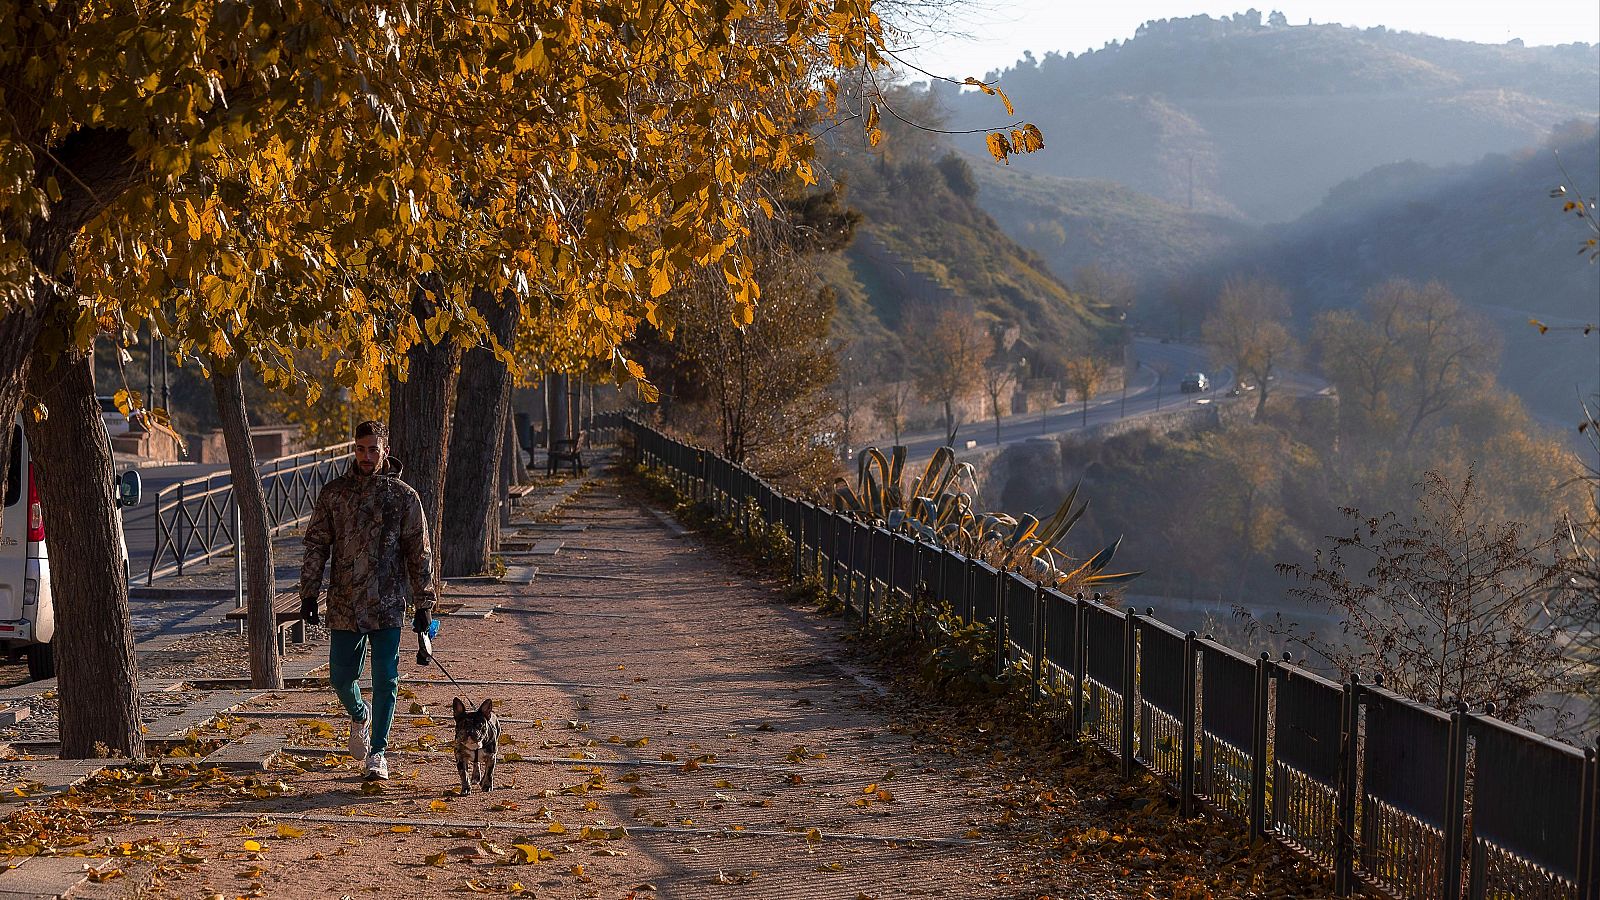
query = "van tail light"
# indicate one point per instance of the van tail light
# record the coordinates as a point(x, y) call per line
point(35, 514)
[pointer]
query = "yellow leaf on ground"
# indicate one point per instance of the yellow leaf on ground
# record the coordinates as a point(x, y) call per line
point(439, 806)
point(402, 829)
point(253, 846)
point(435, 859)
point(289, 831)
point(528, 853)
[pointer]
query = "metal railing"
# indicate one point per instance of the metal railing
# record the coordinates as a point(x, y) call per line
point(1385, 794)
point(197, 519)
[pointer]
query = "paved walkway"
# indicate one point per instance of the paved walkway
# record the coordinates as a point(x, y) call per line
point(673, 729)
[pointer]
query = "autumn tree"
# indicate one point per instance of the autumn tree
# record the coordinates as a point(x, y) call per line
point(999, 379)
point(850, 390)
point(1406, 355)
point(1446, 605)
point(1084, 375)
point(892, 403)
point(1249, 330)
point(259, 178)
point(946, 348)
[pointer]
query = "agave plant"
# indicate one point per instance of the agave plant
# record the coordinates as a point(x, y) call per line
point(938, 508)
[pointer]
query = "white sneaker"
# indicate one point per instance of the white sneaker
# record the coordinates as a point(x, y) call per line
point(360, 739)
point(377, 768)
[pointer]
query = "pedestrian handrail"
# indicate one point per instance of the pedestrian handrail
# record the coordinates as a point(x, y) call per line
point(197, 519)
point(1386, 794)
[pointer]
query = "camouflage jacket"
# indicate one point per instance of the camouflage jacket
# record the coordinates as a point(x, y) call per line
point(373, 527)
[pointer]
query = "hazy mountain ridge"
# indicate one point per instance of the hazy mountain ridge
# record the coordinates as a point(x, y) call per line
point(1489, 230)
point(1261, 119)
point(1076, 222)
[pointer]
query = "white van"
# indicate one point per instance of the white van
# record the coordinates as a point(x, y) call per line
point(27, 613)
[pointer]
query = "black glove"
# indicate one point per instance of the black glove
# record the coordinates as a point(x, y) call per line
point(308, 610)
point(423, 620)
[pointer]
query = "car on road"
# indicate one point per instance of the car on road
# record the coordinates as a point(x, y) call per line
point(27, 611)
point(1195, 382)
point(116, 423)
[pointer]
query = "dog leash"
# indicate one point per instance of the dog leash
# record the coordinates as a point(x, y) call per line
point(425, 656)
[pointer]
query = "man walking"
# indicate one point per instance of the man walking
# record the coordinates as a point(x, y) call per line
point(372, 524)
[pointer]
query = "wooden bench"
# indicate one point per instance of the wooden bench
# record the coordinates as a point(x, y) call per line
point(286, 612)
point(564, 451)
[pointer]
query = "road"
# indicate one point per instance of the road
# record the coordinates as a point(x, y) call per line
point(1154, 388)
point(139, 521)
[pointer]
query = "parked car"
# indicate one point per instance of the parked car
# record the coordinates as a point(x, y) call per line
point(27, 611)
point(116, 422)
point(1195, 382)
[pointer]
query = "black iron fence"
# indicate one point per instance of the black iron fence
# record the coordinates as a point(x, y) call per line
point(197, 519)
point(1386, 794)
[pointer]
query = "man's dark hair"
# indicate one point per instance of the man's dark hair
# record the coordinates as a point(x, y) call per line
point(373, 428)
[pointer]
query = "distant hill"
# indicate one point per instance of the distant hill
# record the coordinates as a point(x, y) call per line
point(923, 238)
point(1489, 230)
point(1257, 120)
point(1076, 222)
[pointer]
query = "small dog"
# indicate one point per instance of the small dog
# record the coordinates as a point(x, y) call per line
point(477, 740)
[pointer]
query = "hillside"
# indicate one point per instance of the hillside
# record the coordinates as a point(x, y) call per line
point(923, 238)
point(1258, 120)
point(1488, 230)
point(1077, 222)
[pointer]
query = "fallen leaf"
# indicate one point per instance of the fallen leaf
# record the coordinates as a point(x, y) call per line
point(289, 831)
point(402, 829)
point(528, 853)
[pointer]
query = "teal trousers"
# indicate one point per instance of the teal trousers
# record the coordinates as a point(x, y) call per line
point(347, 653)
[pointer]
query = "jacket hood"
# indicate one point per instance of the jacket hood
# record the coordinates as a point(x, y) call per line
point(391, 469)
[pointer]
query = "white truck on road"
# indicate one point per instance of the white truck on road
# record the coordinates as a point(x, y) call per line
point(27, 613)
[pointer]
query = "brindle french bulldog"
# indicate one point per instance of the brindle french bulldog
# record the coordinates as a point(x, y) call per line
point(477, 741)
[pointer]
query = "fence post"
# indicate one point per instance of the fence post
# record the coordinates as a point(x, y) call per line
point(866, 587)
point(1038, 640)
point(1258, 750)
point(969, 574)
point(1080, 663)
point(1130, 626)
point(238, 563)
point(177, 529)
point(830, 580)
point(1001, 651)
point(797, 533)
point(1455, 802)
point(1345, 837)
point(1589, 826)
point(1190, 701)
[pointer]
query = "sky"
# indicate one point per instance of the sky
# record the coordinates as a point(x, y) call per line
point(994, 33)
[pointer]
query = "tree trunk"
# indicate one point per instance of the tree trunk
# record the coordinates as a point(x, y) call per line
point(420, 411)
point(510, 462)
point(255, 542)
point(1261, 397)
point(559, 397)
point(476, 443)
point(513, 451)
point(98, 681)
